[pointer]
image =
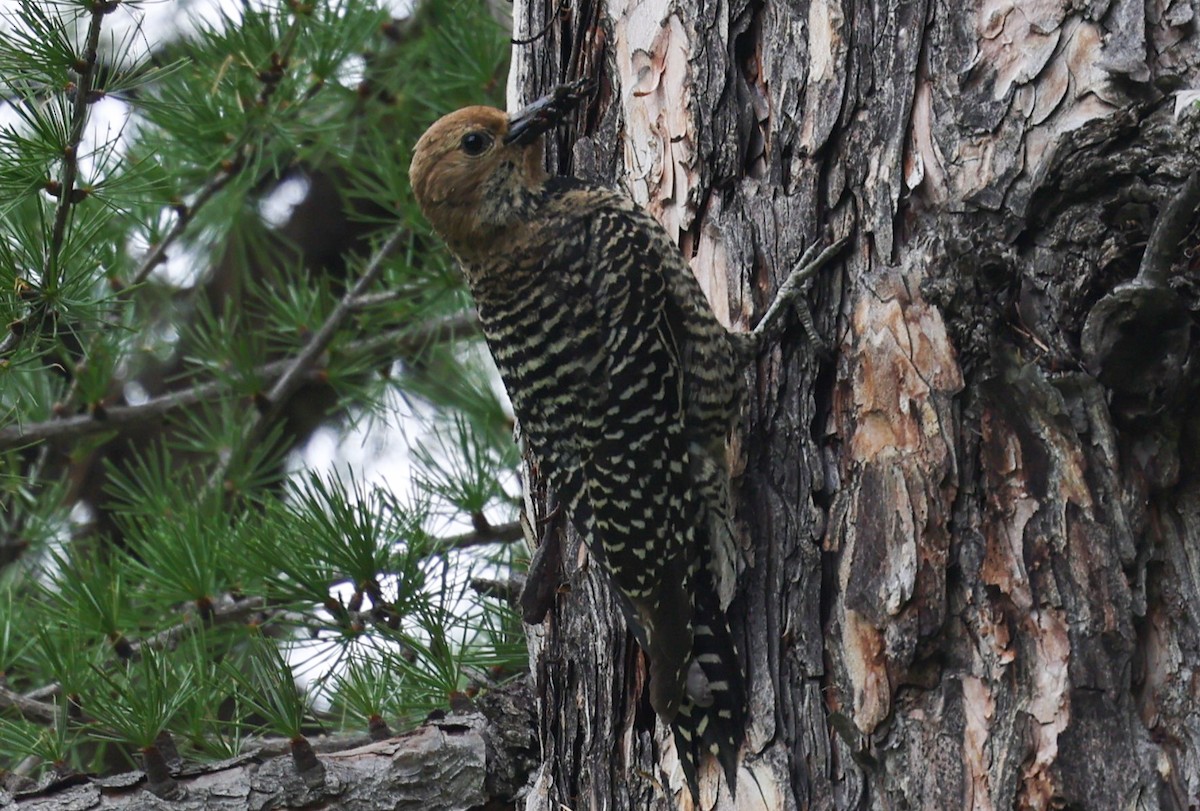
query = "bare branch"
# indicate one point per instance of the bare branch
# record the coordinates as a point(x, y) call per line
point(502, 533)
point(460, 761)
point(31, 709)
point(35, 705)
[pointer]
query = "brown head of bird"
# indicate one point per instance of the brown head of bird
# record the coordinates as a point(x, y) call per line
point(477, 172)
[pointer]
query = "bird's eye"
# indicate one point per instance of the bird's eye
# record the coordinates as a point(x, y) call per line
point(475, 143)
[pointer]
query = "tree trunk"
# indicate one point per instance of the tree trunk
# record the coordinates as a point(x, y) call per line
point(971, 526)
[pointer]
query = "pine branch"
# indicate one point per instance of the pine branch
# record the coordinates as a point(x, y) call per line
point(296, 370)
point(248, 133)
point(64, 187)
point(184, 213)
point(35, 705)
point(241, 150)
point(85, 68)
point(403, 341)
point(501, 533)
point(184, 216)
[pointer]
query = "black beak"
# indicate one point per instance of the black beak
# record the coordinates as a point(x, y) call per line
point(546, 113)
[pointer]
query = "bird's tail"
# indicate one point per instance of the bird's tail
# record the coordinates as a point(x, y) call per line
point(711, 718)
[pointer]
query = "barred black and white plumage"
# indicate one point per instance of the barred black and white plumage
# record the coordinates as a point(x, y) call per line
point(625, 386)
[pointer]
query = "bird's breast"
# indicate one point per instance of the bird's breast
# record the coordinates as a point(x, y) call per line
point(534, 334)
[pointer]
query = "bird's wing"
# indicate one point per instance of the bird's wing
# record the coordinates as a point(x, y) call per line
point(642, 509)
point(636, 468)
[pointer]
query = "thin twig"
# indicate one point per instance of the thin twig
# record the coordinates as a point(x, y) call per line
point(402, 341)
point(297, 369)
point(65, 186)
point(86, 68)
point(42, 712)
point(183, 218)
point(501, 533)
point(291, 379)
point(233, 611)
point(369, 301)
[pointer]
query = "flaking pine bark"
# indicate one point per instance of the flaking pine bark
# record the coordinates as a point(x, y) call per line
point(967, 505)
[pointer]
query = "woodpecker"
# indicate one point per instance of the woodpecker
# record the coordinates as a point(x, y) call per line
point(625, 386)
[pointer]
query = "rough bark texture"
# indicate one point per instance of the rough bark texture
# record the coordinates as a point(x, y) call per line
point(477, 760)
point(972, 530)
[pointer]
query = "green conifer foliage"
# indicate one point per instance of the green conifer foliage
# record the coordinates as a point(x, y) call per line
point(209, 251)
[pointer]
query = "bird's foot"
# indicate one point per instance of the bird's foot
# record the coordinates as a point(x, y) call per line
point(545, 568)
point(789, 294)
